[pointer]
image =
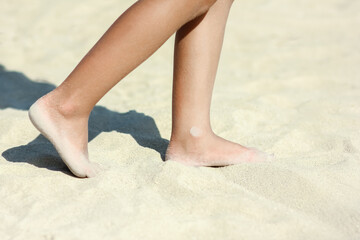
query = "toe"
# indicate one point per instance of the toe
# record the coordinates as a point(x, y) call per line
point(260, 156)
point(93, 170)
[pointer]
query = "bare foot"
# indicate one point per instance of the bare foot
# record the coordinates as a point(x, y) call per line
point(68, 134)
point(209, 150)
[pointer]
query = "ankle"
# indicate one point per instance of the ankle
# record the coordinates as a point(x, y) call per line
point(69, 110)
point(64, 106)
point(194, 140)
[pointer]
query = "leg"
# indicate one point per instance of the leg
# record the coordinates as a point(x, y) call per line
point(62, 115)
point(197, 51)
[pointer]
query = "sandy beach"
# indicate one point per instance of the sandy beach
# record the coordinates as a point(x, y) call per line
point(288, 83)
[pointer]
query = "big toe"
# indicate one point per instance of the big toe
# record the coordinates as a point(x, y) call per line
point(94, 169)
point(260, 156)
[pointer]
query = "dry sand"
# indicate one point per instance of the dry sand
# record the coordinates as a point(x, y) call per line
point(288, 83)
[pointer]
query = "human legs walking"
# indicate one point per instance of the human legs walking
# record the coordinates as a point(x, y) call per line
point(62, 115)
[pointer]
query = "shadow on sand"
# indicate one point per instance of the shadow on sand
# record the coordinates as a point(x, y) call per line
point(19, 92)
